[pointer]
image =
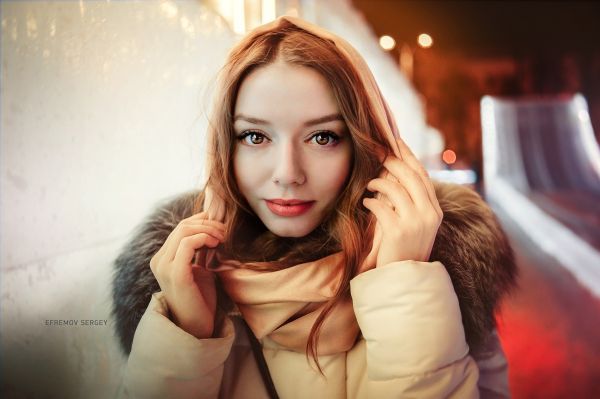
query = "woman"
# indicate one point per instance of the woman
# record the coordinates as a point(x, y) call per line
point(320, 260)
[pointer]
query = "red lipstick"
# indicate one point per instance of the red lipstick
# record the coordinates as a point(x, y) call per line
point(288, 208)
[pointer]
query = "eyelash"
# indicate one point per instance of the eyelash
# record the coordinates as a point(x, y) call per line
point(334, 137)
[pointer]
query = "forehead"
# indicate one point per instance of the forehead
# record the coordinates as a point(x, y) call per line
point(283, 91)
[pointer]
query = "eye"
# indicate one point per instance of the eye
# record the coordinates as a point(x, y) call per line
point(325, 138)
point(252, 137)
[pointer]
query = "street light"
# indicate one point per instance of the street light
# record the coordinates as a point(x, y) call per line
point(387, 42)
point(425, 40)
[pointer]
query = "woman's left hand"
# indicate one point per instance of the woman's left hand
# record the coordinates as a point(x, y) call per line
point(408, 212)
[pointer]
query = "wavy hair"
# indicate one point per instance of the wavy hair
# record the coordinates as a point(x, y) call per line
point(348, 224)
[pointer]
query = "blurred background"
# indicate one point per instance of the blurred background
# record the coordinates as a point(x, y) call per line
point(455, 52)
point(103, 113)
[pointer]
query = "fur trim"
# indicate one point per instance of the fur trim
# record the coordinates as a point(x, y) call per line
point(476, 252)
point(133, 281)
point(470, 243)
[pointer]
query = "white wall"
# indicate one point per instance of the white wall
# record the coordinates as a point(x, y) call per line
point(101, 109)
point(102, 116)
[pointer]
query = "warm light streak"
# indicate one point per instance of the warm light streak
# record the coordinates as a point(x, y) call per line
point(187, 26)
point(169, 9)
point(239, 17)
point(31, 27)
point(407, 60)
point(225, 8)
point(268, 11)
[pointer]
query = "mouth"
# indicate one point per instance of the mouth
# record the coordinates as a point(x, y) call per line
point(289, 208)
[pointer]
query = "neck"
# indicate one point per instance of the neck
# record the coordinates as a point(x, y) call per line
point(253, 242)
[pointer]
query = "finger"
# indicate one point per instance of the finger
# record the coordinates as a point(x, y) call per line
point(395, 193)
point(188, 246)
point(410, 180)
point(380, 196)
point(410, 158)
point(186, 227)
point(376, 244)
point(384, 214)
point(214, 231)
point(203, 218)
point(185, 230)
point(197, 220)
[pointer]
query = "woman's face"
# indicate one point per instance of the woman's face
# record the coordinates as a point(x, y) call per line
point(292, 145)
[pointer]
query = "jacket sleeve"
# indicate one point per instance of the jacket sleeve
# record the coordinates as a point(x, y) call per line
point(167, 362)
point(410, 318)
point(493, 370)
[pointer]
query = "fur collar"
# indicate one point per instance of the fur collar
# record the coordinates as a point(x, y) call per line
point(470, 243)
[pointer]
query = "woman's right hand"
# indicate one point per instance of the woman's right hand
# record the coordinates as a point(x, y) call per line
point(188, 288)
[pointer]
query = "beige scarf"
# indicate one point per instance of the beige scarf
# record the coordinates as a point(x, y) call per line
point(283, 305)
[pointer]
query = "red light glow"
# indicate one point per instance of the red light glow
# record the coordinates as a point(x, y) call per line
point(449, 157)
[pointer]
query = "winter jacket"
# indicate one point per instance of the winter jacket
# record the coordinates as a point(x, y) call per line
point(427, 328)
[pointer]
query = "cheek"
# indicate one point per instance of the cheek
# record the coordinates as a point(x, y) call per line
point(238, 173)
point(332, 175)
point(247, 178)
point(341, 176)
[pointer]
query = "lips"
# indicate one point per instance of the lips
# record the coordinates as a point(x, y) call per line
point(289, 208)
point(288, 202)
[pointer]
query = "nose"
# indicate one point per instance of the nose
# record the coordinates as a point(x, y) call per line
point(288, 168)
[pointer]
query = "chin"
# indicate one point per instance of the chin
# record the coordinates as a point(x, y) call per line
point(291, 230)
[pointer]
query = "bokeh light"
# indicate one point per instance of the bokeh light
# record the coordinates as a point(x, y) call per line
point(449, 157)
point(425, 40)
point(387, 42)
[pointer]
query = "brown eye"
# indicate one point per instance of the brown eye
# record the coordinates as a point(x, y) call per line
point(256, 138)
point(325, 138)
point(322, 139)
point(252, 138)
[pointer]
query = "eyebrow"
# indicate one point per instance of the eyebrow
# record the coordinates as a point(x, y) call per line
point(316, 121)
